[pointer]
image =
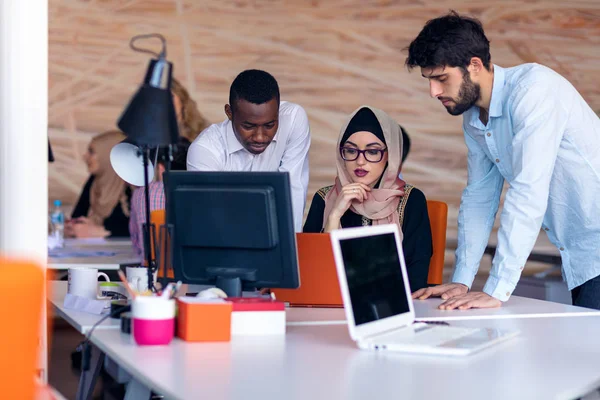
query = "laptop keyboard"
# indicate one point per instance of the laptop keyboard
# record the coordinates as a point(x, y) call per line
point(428, 336)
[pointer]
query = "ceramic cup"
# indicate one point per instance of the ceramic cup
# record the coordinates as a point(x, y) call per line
point(138, 278)
point(83, 282)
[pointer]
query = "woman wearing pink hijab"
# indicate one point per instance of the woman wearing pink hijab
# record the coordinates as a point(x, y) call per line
point(367, 190)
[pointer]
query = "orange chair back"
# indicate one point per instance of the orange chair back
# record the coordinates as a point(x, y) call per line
point(158, 218)
point(319, 285)
point(21, 292)
point(438, 218)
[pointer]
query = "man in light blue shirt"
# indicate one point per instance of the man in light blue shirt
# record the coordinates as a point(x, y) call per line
point(529, 126)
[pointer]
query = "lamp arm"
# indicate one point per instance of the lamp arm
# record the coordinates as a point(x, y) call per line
point(148, 231)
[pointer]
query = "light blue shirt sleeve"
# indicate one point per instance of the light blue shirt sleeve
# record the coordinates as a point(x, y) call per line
point(478, 208)
point(538, 120)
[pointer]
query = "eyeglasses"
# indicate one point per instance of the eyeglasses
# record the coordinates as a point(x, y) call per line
point(371, 155)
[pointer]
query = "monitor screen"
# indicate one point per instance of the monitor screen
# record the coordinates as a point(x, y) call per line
point(232, 226)
point(374, 275)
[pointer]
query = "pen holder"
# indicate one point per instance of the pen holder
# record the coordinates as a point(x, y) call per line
point(153, 320)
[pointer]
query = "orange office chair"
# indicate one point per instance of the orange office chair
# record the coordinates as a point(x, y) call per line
point(438, 219)
point(319, 285)
point(158, 218)
point(318, 277)
point(21, 293)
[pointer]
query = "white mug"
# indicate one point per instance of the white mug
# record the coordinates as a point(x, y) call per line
point(83, 282)
point(138, 278)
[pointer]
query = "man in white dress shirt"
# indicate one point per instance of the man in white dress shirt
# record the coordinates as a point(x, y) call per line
point(528, 126)
point(261, 133)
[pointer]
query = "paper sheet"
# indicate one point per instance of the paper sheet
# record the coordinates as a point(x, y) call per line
point(58, 253)
point(84, 304)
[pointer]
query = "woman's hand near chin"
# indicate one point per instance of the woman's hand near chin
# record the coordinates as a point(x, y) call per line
point(349, 193)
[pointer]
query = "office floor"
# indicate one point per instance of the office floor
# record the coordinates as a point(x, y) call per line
point(62, 376)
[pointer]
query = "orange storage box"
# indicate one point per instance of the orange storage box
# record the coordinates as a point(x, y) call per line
point(202, 321)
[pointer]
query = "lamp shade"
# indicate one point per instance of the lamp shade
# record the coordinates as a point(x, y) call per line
point(127, 161)
point(150, 119)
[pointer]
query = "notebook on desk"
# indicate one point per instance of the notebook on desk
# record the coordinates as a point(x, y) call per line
point(319, 286)
point(378, 303)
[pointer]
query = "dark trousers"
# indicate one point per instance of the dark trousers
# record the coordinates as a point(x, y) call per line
point(587, 294)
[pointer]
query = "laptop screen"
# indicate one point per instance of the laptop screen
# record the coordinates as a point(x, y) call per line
point(374, 277)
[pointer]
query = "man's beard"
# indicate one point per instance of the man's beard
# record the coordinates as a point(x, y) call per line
point(468, 95)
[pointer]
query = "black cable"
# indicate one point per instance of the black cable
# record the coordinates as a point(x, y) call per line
point(86, 352)
point(163, 52)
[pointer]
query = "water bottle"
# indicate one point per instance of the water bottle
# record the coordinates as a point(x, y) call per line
point(57, 218)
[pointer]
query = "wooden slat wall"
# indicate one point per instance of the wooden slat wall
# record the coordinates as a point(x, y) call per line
point(328, 55)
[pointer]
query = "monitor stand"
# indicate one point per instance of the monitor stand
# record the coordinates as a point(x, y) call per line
point(230, 279)
point(231, 286)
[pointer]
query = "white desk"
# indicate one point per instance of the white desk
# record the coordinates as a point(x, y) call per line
point(552, 359)
point(516, 307)
point(83, 321)
point(121, 249)
point(306, 316)
point(79, 320)
point(426, 310)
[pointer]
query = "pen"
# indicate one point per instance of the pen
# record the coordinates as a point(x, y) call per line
point(166, 293)
point(126, 284)
point(176, 289)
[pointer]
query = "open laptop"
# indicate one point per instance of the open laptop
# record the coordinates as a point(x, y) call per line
point(378, 303)
point(319, 285)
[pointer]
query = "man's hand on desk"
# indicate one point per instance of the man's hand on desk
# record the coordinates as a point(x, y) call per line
point(445, 291)
point(457, 296)
point(470, 300)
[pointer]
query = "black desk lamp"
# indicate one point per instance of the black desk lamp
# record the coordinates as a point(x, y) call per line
point(149, 122)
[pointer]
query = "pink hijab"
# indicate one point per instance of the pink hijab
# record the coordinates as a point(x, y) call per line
point(381, 205)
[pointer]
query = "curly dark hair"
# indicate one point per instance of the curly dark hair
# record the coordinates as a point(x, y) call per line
point(451, 40)
point(405, 143)
point(254, 86)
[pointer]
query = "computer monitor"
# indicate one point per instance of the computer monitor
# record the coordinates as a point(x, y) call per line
point(232, 229)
